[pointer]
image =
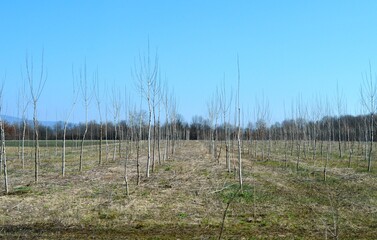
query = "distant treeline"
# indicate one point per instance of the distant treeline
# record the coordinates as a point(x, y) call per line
point(346, 127)
point(351, 128)
point(75, 131)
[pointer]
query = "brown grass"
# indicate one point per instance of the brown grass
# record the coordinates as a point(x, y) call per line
point(185, 199)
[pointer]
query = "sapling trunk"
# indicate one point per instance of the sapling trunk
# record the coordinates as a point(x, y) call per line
point(4, 157)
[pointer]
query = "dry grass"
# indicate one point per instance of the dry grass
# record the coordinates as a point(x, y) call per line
point(185, 198)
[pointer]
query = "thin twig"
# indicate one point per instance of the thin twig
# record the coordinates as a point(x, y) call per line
point(226, 210)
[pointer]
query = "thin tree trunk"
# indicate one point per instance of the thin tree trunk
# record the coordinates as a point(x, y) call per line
point(128, 153)
point(256, 147)
point(239, 151)
point(329, 148)
point(263, 144)
point(339, 139)
point(115, 137)
point(174, 136)
point(100, 143)
point(166, 137)
point(120, 138)
point(56, 140)
point(269, 145)
point(154, 141)
point(239, 131)
point(159, 137)
point(82, 146)
point(63, 153)
point(315, 143)
point(36, 144)
point(149, 141)
point(4, 158)
point(350, 147)
point(371, 143)
point(285, 147)
point(227, 158)
point(138, 153)
point(215, 140)
point(23, 143)
point(298, 154)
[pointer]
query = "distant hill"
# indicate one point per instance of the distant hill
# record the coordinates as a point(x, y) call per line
point(10, 119)
point(13, 120)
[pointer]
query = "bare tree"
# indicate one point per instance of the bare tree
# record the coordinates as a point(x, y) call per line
point(167, 132)
point(138, 147)
point(106, 134)
point(3, 157)
point(36, 89)
point(116, 114)
point(173, 121)
point(75, 96)
point(23, 105)
point(56, 134)
point(293, 128)
point(98, 100)
point(351, 142)
point(86, 97)
point(46, 135)
point(156, 99)
point(316, 116)
point(129, 140)
point(145, 73)
point(301, 113)
point(224, 107)
point(216, 134)
point(329, 124)
point(285, 137)
point(262, 115)
point(159, 125)
point(368, 97)
point(239, 127)
point(267, 118)
point(211, 106)
point(339, 103)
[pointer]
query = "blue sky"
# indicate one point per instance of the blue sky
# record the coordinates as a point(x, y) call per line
point(286, 49)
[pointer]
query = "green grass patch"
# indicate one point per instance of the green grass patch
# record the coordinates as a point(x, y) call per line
point(233, 192)
point(21, 190)
point(182, 215)
point(108, 214)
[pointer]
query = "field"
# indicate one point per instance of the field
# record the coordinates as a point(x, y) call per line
point(188, 196)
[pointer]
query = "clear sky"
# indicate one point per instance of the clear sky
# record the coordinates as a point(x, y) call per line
point(286, 49)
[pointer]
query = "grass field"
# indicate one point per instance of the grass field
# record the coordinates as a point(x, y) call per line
point(186, 197)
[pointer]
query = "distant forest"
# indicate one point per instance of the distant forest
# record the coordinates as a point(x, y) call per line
point(344, 128)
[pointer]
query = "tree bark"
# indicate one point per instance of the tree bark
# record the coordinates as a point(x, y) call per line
point(36, 144)
point(4, 157)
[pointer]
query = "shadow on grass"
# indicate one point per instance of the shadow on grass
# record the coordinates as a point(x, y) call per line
point(139, 231)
